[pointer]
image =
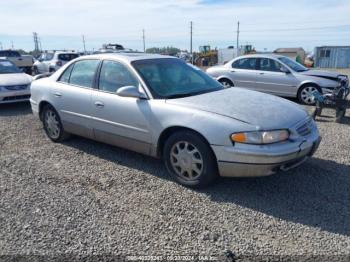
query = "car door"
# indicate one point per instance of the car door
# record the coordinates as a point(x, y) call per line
point(121, 121)
point(272, 79)
point(72, 95)
point(243, 73)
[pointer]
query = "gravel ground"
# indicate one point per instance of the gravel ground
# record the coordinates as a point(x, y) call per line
point(83, 197)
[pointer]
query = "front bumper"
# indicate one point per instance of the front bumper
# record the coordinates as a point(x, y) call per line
point(254, 160)
point(14, 96)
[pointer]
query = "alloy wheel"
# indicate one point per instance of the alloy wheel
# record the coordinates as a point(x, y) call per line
point(52, 124)
point(186, 160)
point(306, 95)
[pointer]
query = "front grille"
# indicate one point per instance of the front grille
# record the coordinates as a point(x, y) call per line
point(305, 128)
point(16, 87)
point(11, 98)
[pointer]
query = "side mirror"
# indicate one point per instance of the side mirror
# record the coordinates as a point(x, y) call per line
point(285, 70)
point(40, 59)
point(131, 91)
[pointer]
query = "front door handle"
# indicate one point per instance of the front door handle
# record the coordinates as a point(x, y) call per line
point(233, 71)
point(261, 73)
point(56, 94)
point(99, 104)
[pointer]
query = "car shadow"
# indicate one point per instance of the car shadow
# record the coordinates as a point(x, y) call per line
point(315, 194)
point(15, 109)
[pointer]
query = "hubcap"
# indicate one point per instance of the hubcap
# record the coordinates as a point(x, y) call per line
point(306, 95)
point(186, 160)
point(52, 124)
point(226, 84)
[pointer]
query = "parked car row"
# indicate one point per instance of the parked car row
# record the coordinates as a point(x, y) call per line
point(163, 107)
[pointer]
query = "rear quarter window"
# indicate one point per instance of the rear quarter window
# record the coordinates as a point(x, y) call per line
point(67, 57)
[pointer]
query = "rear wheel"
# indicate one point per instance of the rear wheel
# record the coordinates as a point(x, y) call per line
point(226, 83)
point(189, 159)
point(52, 124)
point(339, 114)
point(305, 95)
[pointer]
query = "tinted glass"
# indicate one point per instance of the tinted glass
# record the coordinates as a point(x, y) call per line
point(66, 74)
point(48, 56)
point(292, 64)
point(267, 64)
point(245, 63)
point(83, 73)
point(7, 67)
point(114, 76)
point(171, 78)
point(67, 57)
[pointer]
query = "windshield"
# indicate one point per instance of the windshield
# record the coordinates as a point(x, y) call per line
point(7, 67)
point(292, 64)
point(172, 78)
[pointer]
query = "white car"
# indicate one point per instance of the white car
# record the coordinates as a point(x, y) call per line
point(52, 61)
point(14, 84)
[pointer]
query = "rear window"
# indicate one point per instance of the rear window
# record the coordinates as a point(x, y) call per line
point(67, 57)
point(10, 53)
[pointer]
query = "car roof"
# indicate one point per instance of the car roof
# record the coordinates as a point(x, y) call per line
point(127, 57)
point(262, 55)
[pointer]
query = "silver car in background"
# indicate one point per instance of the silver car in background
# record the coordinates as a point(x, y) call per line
point(14, 84)
point(277, 75)
point(162, 107)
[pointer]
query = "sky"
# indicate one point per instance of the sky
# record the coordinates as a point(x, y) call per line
point(265, 24)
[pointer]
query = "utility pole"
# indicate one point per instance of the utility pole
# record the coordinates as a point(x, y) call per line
point(84, 44)
point(191, 50)
point(36, 42)
point(12, 44)
point(40, 47)
point(144, 40)
point(1, 46)
point(237, 37)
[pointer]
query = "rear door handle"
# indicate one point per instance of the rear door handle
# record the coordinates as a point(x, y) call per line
point(57, 94)
point(233, 71)
point(261, 73)
point(99, 104)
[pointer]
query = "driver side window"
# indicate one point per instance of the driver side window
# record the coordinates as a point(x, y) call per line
point(115, 75)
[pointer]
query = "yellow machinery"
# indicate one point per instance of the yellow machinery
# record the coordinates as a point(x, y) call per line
point(206, 56)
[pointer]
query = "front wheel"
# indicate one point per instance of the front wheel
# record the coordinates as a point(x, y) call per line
point(339, 114)
point(305, 94)
point(52, 125)
point(190, 160)
point(226, 83)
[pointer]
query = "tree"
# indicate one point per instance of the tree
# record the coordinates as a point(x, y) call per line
point(169, 50)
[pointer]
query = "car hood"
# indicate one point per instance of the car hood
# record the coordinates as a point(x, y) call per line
point(322, 74)
point(261, 110)
point(15, 79)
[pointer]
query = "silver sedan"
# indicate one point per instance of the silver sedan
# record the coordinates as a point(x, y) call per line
point(14, 84)
point(277, 75)
point(162, 107)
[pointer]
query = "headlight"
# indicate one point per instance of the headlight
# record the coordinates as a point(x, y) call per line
point(260, 137)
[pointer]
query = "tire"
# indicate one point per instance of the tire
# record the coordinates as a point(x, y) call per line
point(187, 150)
point(52, 124)
point(226, 82)
point(339, 115)
point(36, 71)
point(304, 94)
point(318, 111)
